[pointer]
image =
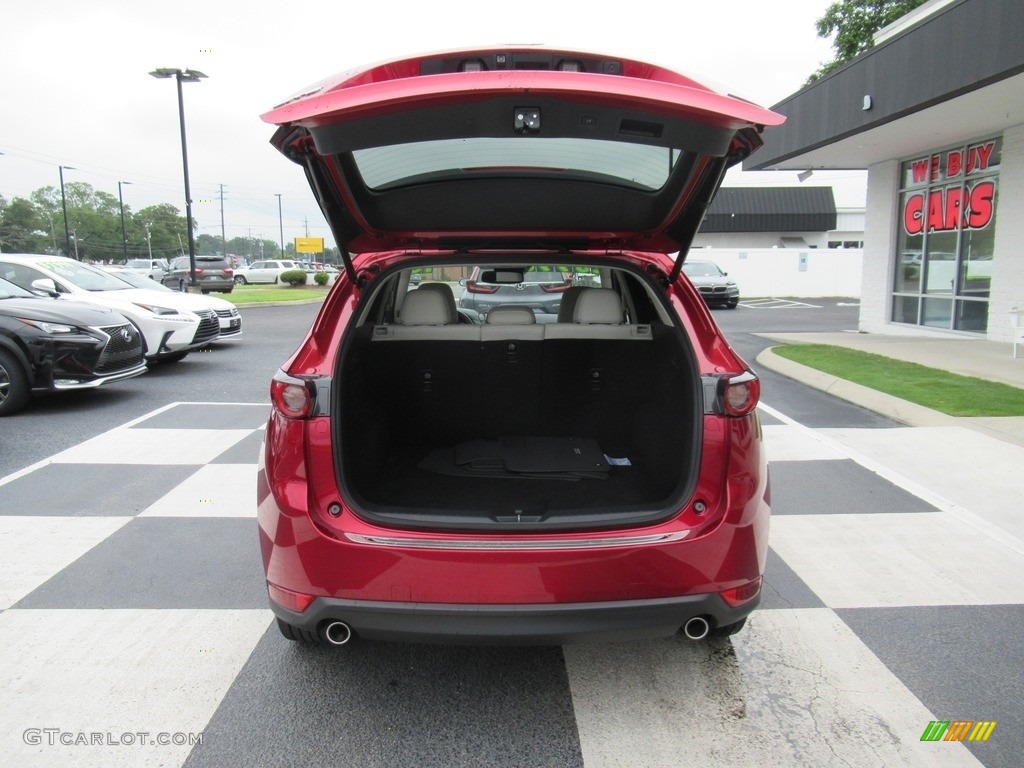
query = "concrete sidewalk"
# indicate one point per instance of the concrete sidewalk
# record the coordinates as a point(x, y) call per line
point(979, 358)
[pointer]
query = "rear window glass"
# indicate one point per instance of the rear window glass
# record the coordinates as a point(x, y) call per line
point(634, 165)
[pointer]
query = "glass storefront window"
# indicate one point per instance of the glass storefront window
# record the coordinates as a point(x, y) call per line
point(946, 239)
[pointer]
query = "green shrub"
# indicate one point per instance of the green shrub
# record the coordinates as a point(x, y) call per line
point(321, 278)
point(294, 277)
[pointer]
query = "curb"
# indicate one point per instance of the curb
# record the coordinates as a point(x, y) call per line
point(911, 414)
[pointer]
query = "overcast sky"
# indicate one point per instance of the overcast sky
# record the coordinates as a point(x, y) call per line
point(75, 88)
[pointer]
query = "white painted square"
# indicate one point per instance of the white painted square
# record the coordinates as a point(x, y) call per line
point(794, 688)
point(881, 560)
point(153, 446)
point(786, 442)
point(214, 490)
point(33, 549)
point(116, 672)
point(976, 472)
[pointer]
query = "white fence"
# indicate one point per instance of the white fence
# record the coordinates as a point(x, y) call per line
point(793, 272)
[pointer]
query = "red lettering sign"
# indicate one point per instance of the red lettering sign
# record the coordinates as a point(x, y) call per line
point(980, 156)
point(943, 210)
point(920, 171)
point(953, 160)
point(974, 159)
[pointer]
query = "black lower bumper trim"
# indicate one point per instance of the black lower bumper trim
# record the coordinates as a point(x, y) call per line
point(553, 624)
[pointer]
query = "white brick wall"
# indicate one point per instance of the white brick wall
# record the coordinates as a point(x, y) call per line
point(879, 246)
point(1008, 264)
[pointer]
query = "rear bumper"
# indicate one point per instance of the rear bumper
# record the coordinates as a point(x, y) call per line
point(549, 624)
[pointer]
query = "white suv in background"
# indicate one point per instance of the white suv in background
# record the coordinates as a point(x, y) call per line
point(263, 271)
point(154, 269)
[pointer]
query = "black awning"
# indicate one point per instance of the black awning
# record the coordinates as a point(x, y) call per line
point(771, 209)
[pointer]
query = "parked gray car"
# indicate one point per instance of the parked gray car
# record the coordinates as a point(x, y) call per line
point(213, 273)
point(539, 290)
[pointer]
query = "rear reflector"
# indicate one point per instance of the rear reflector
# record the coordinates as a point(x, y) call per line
point(739, 595)
point(296, 602)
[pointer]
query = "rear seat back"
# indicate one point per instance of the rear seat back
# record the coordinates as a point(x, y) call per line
point(597, 314)
point(447, 382)
point(510, 371)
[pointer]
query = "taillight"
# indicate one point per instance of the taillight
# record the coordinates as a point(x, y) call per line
point(474, 287)
point(292, 397)
point(739, 595)
point(228, 271)
point(199, 270)
point(740, 394)
point(296, 602)
point(556, 287)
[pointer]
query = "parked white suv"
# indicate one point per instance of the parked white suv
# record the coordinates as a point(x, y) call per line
point(154, 269)
point(170, 328)
point(263, 271)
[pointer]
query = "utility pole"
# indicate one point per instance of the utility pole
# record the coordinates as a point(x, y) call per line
point(223, 237)
point(280, 223)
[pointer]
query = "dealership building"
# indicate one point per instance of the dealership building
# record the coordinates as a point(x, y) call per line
point(935, 113)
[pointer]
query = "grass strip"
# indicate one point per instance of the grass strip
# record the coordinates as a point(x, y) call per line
point(257, 294)
point(949, 393)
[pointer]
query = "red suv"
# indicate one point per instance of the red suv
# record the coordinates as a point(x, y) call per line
point(435, 474)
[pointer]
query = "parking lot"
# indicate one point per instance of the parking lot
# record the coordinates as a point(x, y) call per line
point(134, 627)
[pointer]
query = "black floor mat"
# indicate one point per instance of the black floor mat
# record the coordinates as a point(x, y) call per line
point(543, 458)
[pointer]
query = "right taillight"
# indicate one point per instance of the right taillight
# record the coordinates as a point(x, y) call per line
point(740, 394)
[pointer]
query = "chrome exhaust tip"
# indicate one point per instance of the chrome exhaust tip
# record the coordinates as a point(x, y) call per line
point(337, 633)
point(696, 628)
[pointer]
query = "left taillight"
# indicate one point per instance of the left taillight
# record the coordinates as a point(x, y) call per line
point(291, 396)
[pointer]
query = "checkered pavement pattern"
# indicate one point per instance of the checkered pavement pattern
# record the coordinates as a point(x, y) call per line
point(134, 630)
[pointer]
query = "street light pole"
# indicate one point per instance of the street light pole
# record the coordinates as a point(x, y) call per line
point(64, 207)
point(124, 235)
point(188, 76)
point(280, 223)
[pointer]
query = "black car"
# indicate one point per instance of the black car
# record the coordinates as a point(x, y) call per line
point(51, 345)
point(213, 273)
point(715, 286)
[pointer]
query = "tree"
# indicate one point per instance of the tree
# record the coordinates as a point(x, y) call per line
point(165, 228)
point(23, 228)
point(208, 245)
point(854, 23)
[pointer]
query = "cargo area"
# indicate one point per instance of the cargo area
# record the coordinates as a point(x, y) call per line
point(588, 422)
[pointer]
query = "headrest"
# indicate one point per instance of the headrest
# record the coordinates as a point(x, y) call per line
point(598, 306)
point(567, 308)
point(425, 308)
point(511, 316)
point(445, 291)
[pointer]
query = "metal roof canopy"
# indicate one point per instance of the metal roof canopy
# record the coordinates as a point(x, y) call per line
point(956, 75)
point(771, 209)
